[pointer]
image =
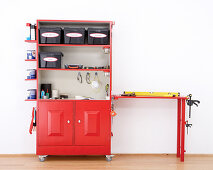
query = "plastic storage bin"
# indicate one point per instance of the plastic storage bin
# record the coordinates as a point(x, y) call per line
point(31, 73)
point(31, 54)
point(50, 59)
point(31, 94)
point(50, 35)
point(74, 35)
point(98, 36)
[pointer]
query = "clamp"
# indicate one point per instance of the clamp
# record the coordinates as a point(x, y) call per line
point(191, 102)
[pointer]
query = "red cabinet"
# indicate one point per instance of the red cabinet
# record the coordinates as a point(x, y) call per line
point(55, 123)
point(73, 127)
point(92, 122)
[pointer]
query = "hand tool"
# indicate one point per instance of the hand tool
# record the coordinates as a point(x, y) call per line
point(190, 103)
point(128, 94)
point(107, 89)
point(88, 78)
point(31, 124)
point(79, 77)
point(34, 120)
point(188, 125)
point(95, 83)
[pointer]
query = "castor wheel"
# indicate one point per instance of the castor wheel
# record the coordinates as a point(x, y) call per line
point(109, 157)
point(42, 158)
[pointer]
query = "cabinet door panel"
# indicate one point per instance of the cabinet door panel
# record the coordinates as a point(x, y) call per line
point(55, 123)
point(92, 126)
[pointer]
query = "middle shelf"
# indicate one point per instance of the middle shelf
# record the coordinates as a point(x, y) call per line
point(104, 70)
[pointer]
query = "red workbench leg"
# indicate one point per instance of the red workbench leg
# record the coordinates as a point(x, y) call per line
point(178, 125)
point(183, 130)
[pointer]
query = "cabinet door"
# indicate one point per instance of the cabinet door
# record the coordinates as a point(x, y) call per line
point(92, 123)
point(55, 123)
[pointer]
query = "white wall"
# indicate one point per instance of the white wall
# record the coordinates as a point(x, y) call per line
point(157, 46)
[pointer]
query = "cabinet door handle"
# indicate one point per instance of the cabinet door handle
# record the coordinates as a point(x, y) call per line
point(79, 121)
point(68, 121)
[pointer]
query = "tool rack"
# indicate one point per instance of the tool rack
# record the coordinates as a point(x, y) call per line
point(82, 127)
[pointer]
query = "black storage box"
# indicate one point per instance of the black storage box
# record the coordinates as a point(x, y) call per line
point(98, 36)
point(50, 35)
point(50, 59)
point(74, 35)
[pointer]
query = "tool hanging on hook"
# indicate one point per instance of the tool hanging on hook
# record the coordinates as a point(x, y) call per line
point(188, 125)
point(79, 77)
point(88, 78)
point(190, 103)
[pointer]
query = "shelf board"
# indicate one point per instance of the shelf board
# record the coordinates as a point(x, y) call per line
point(31, 41)
point(74, 45)
point(30, 59)
point(30, 99)
point(105, 70)
point(29, 79)
point(53, 100)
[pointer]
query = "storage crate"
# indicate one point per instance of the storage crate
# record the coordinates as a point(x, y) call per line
point(48, 35)
point(50, 59)
point(74, 35)
point(98, 36)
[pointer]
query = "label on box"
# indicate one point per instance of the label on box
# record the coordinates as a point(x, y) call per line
point(50, 59)
point(98, 35)
point(74, 34)
point(50, 34)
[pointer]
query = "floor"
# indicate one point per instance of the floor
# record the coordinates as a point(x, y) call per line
point(119, 162)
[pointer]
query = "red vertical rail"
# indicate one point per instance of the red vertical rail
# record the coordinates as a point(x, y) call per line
point(110, 59)
point(183, 130)
point(111, 23)
point(37, 76)
point(178, 125)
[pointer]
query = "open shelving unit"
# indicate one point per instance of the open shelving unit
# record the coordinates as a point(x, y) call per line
point(88, 55)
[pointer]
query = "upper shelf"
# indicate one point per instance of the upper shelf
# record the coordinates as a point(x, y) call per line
point(74, 23)
point(73, 45)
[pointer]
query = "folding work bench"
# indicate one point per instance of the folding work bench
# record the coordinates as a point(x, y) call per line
point(181, 102)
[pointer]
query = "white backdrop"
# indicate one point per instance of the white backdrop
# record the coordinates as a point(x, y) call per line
point(157, 46)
